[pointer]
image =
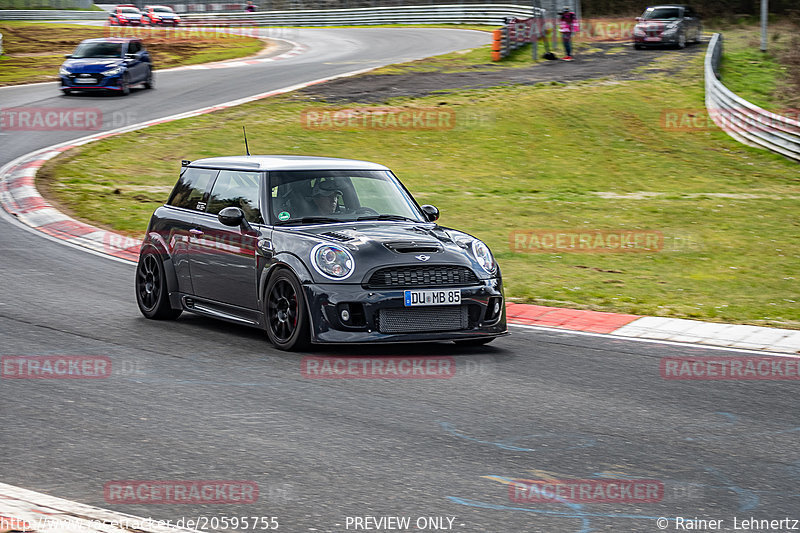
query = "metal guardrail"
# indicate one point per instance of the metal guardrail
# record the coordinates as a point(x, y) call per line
point(424, 14)
point(51, 14)
point(742, 120)
point(1, 44)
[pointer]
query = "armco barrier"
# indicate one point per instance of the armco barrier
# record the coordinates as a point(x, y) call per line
point(742, 120)
point(51, 14)
point(424, 14)
point(516, 33)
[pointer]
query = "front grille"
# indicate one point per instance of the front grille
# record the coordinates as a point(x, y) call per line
point(96, 77)
point(422, 276)
point(414, 320)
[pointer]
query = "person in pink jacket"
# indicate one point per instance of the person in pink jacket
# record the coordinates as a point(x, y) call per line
point(568, 25)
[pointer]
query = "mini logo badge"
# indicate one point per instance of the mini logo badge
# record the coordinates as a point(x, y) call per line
point(423, 257)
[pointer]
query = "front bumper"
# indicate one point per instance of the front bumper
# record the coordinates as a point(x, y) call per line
point(657, 40)
point(105, 83)
point(326, 301)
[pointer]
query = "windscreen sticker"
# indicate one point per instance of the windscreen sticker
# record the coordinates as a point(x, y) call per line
point(284, 215)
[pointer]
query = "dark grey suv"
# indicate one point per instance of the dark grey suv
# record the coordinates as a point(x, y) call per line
point(670, 24)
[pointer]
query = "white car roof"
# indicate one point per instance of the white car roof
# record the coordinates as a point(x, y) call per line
point(285, 162)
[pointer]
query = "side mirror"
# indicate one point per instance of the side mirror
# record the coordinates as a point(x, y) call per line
point(431, 212)
point(638, 19)
point(68, 56)
point(130, 56)
point(233, 217)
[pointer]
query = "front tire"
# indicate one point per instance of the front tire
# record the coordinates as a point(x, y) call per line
point(149, 82)
point(125, 83)
point(285, 312)
point(151, 288)
point(682, 40)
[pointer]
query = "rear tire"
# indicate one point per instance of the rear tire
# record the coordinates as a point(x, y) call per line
point(152, 294)
point(286, 313)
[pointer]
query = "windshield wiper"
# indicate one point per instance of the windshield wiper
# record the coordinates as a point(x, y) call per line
point(387, 217)
point(311, 220)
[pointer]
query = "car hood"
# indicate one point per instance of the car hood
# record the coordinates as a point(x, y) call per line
point(92, 65)
point(364, 233)
point(374, 245)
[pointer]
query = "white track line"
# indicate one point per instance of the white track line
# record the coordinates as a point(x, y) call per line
point(654, 341)
point(45, 513)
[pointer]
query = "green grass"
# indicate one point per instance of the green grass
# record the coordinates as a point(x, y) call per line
point(33, 51)
point(521, 158)
point(754, 75)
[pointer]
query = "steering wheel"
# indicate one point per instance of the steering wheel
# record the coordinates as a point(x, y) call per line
point(365, 211)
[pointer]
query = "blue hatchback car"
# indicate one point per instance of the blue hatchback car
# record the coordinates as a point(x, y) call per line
point(108, 64)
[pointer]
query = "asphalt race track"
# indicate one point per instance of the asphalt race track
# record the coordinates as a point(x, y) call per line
point(199, 399)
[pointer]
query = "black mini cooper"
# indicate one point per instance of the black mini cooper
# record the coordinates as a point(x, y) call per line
point(315, 250)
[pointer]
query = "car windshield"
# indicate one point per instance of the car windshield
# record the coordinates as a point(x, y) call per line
point(129, 10)
point(662, 13)
point(323, 196)
point(162, 10)
point(88, 50)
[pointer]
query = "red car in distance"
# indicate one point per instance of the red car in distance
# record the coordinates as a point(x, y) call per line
point(161, 15)
point(125, 15)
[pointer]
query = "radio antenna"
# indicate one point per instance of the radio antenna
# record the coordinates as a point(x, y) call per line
point(246, 148)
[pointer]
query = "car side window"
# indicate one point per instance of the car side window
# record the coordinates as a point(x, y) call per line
point(190, 191)
point(236, 189)
point(134, 47)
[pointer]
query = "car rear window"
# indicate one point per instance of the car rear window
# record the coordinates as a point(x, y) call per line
point(190, 191)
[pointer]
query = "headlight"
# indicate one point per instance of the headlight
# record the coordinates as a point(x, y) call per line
point(483, 256)
point(63, 71)
point(332, 261)
point(113, 71)
point(638, 31)
point(671, 29)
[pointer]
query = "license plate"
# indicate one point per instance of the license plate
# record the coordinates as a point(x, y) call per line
point(652, 39)
point(86, 80)
point(432, 297)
